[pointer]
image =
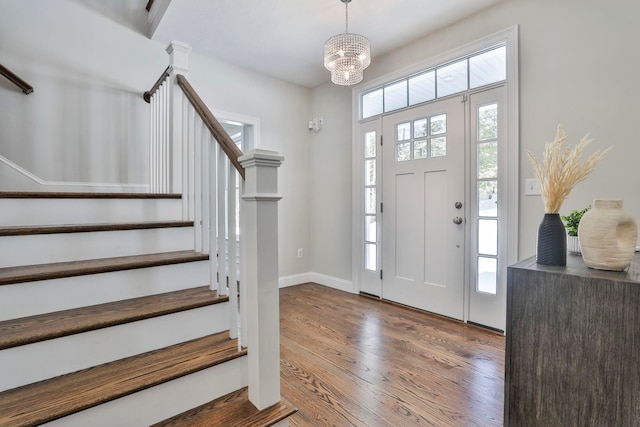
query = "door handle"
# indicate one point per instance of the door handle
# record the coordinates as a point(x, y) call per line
point(457, 220)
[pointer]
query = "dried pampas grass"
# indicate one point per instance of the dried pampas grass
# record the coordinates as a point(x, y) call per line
point(561, 169)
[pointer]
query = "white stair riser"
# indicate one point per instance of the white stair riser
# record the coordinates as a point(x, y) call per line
point(39, 361)
point(61, 247)
point(163, 401)
point(87, 211)
point(28, 299)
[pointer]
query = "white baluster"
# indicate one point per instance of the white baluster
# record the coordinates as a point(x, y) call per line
point(214, 255)
point(233, 250)
point(222, 232)
point(152, 145)
point(206, 193)
point(195, 160)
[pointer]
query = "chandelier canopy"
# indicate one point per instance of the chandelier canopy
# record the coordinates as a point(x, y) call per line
point(346, 55)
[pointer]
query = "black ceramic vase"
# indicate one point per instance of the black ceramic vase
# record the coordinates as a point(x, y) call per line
point(551, 248)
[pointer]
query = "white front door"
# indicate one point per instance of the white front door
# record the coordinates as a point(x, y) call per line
point(424, 207)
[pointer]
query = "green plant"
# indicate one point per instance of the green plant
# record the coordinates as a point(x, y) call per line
point(572, 221)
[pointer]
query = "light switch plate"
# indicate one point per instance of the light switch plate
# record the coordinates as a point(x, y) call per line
point(531, 187)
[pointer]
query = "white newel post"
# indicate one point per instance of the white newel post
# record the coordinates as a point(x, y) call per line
point(259, 289)
point(179, 64)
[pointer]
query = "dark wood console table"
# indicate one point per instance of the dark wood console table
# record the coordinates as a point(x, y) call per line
point(572, 346)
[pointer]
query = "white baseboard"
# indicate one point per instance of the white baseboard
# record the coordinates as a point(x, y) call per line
point(294, 279)
point(321, 279)
point(23, 180)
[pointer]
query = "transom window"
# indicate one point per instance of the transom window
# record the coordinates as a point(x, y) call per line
point(475, 70)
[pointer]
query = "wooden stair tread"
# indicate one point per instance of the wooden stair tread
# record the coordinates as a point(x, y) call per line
point(30, 273)
point(233, 409)
point(84, 228)
point(76, 195)
point(43, 327)
point(57, 397)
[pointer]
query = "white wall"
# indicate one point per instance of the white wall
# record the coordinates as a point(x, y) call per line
point(330, 185)
point(86, 123)
point(88, 68)
point(579, 66)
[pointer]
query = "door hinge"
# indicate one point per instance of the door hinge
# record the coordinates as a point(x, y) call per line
point(380, 274)
point(464, 98)
point(381, 140)
point(381, 207)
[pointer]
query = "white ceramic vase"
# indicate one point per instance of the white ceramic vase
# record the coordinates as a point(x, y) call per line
point(608, 236)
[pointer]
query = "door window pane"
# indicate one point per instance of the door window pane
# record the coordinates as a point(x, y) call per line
point(439, 146)
point(370, 200)
point(370, 172)
point(422, 88)
point(420, 150)
point(370, 256)
point(403, 131)
point(488, 237)
point(488, 122)
point(487, 268)
point(395, 96)
point(370, 229)
point(419, 128)
point(488, 160)
point(370, 144)
point(438, 124)
point(452, 78)
point(372, 104)
point(488, 198)
point(488, 67)
point(403, 152)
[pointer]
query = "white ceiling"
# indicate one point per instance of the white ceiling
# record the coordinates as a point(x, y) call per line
point(285, 38)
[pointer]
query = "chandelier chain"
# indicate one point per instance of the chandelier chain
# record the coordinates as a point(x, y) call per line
point(346, 17)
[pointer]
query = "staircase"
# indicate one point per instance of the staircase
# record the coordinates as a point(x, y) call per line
point(107, 318)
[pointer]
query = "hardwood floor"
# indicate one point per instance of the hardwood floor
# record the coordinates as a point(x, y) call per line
point(349, 360)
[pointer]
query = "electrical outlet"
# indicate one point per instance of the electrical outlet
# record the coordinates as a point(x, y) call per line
point(532, 188)
point(300, 253)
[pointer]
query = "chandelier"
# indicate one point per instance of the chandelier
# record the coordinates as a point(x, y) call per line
point(346, 55)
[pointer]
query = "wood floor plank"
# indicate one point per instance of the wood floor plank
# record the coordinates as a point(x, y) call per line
point(55, 398)
point(32, 329)
point(30, 273)
point(349, 360)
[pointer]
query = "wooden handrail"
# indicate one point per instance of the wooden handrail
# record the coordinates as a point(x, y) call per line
point(26, 87)
point(226, 143)
point(147, 95)
point(149, 5)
